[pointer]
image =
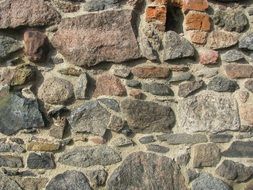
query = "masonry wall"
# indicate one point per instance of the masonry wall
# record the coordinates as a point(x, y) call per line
point(126, 94)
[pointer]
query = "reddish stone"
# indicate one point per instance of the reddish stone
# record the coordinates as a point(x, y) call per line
point(239, 71)
point(97, 140)
point(36, 45)
point(246, 113)
point(150, 72)
point(198, 37)
point(109, 85)
point(208, 56)
point(198, 5)
point(197, 21)
point(156, 13)
point(136, 93)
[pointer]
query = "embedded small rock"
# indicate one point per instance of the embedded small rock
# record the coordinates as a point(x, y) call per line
point(240, 149)
point(188, 88)
point(232, 56)
point(222, 84)
point(246, 42)
point(237, 71)
point(40, 161)
point(150, 72)
point(157, 89)
point(8, 45)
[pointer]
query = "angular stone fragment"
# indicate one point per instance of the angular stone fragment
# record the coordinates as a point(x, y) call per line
point(188, 88)
point(58, 128)
point(157, 89)
point(40, 161)
point(56, 91)
point(72, 71)
point(36, 45)
point(42, 145)
point(220, 138)
point(205, 155)
point(182, 138)
point(221, 39)
point(31, 183)
point(109, 85)
point(142, 166)
point(240, 149)
point(113, 31)
point(122, 141)
point(180, 76)
point(144, 116)
point(150, 72)
point(176, 46)
point(121, 71)
point(235, 71)
point(222, 84)
point(99, 5)
point(147, 139)
point(110, 103)
point(246, 42)
point(11, 161)
point(208, 57)
point(197, 21)
point(232, 56)
point(207, 182)
point(234, 171)
point(198, 37)
point(210, 112)
point(97, 177)
point(246, 113)
point(157, 148)
point(80, 88)
point(91, 117)
point(17, 113)
point(249, 85)
point(68, 180)
point(90, 156)
point(7, 183)
point(133, 83)
point(15, 13)
point(8, 45)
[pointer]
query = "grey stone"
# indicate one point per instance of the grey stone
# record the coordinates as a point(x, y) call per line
point(122, 141)
point(180, 76)
point(157, 89)
point(98, 5)
point(97, 177)
point(191, 175)
point(220, 138)
point(183, 159)
point(205, 155)
point(121, 71)
point(7, 183)
point(231, 20)
point(8, 45)
point(91, 117)
point(207, 182)
point(69, 180)
point(145, 116)
point(11, 147)
point(207, 72)
point(40, 161)
point(17, 113)
point(80, 89)
point(90, 156)
point(11, 161)
point(133, 83)
point(116, 124)
point(249, 85)
point(232, 56)
point(182, 138)
point(188, 88)
point(157, 148)
point(208, 111)
point(234, 171)
point(146, 48)
point(110, 103)
point(147, 139)
point(31, 183)
point(176, 46)
point(222, 84)
point(241, 149)
point(142, 167)
point(246, 42)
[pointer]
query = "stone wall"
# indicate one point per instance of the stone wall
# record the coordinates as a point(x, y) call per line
point(126, 94)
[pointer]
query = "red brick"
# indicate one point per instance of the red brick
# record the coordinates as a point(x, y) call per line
point(197, 21)
point(198, 5)
point(156, 13)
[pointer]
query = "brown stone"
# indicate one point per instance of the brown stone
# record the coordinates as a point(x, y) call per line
point(42, 145)
point(156, 13)
point(197, 21)
point(109, 36)
point(150, 72)
point(197, 5)
point(36, 45)
point(110, 85)
point(198, 37)
point(205, 155)
point(15, 13)
point(246, 113)
point(136, 93)
point(235, 71)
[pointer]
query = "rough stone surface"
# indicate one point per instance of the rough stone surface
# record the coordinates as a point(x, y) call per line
point(147, 139)
point(249, 85)
point(121, 46)
point(70, 179)
point(15, 13)
point(91, 117)
point(232, 56)
point(197, 5)
point(110, 103)
point(211, 112)
point(90, 156)
point(151, 72)
point(188, 88)
point(197, 21)
point(80, 88)
point(8, 45)
point(234, 171)
point(17, 113)
point(246, 42)
point(182, 138)
point(208, 57)
point(11, 161)
point(236, 71)
point(97, 177)
point(98, 5)
point(157, 148)
point(144, 116)
point(40, 161)
point(220, 138)
point(8, 184)
point(208, 182)
point(146, 165)
point(222, 84)
point(42, 145)
point(56, 91)
point(246, 113)
point(176, 46)
point(240, 149)
point(122, 141)
point(157, 89)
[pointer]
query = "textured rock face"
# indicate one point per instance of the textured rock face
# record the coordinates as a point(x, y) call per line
point(166, 171)
point(115, 38)
point(221, 84)
point(151, 72)
point(145, 116)
point(37, 13)
point(17, 113)
point(235, 71)
point(8, 45)
point(69, 180)
point(90, 156)
point(240, 149)
point(7, 183)
point(40, 161)
point(246, 42)
point(211, 112)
